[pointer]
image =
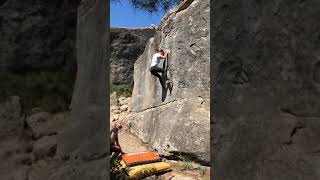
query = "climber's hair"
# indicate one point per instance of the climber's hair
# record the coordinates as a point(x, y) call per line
point(160, 50)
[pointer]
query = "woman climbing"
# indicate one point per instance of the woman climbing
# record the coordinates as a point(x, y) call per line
point(154, 69)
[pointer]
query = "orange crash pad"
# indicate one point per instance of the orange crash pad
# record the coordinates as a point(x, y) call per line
point(132, 159)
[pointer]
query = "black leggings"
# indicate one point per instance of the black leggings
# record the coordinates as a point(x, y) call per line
point(154, 70)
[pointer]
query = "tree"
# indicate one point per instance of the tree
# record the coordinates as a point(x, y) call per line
point(152, 5)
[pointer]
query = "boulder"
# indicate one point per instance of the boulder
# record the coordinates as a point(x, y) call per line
point(116, 112)
point(84, 135)
point(11, 122)
point(266, 90)
point(32, 40)
point(116, 117)
point(45, 147)
point(176, 122)
point(20, 174)
point(114, 107)
point(124, 108)
point(113, 99)
point(45, 124)
point(123, 101)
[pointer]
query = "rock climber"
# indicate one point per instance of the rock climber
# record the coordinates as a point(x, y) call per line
point(154, 69)
point(115, 147)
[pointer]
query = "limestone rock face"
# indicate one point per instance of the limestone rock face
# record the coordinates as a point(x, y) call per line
point(45, 146)
point(177, 121)
point(126, 46)
point(37, 43)
point(37, 34)
point(46, 124)
point(11, 122)
point(84, 135)
point(266, 89)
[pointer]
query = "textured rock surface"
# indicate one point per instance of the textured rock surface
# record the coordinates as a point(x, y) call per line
point(37, 34)
point(11, 122)
point(176, 122)
point(126, 47)
point(26, 140)
point(37, 46)
point(45, 124)
point(45, 146)
point(84, 136)
point(28, 145)
point(266, 89)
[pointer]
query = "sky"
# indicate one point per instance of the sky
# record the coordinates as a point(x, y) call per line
point(124, 15)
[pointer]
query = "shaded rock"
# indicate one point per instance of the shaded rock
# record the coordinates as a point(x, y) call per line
point(37, 44)
point(20, 174)
point(266, 116)
point(36, 110)
point(177, 122)
point(23, 158)
point(11, 122)
point(126, 46)
point(37, 35)
point(46, 124)
point(46, 146)
point(84, 135)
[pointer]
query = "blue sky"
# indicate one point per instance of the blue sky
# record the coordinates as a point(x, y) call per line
point(124, 15)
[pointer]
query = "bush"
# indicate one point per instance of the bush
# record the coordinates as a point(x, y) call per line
point(122, 89)
point(49, 90)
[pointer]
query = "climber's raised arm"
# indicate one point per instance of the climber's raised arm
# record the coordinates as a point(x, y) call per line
point(165, 55)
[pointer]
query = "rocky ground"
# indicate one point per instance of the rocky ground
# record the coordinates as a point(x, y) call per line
point(27, 142)
point(181, 170)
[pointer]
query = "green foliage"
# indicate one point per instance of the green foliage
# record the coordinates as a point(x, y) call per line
point(188, 165)
point(52, 91)
point(202, 170)
point(116, 172)
point(122, 89)
point(184, 165)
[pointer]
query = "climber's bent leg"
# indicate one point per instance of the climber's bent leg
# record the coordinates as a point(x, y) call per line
point(154, 71)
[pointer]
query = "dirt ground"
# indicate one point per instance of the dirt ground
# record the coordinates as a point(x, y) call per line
point(180, 170)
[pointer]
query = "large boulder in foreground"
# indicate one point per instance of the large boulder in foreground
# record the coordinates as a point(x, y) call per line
point(176, 122)
point(84, 137)
point(266, 90)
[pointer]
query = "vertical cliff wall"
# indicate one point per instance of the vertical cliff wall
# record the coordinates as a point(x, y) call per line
point(85, 135)
point(37, 52)
point(126, 46)
point(176, 122)
point(266, 89)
